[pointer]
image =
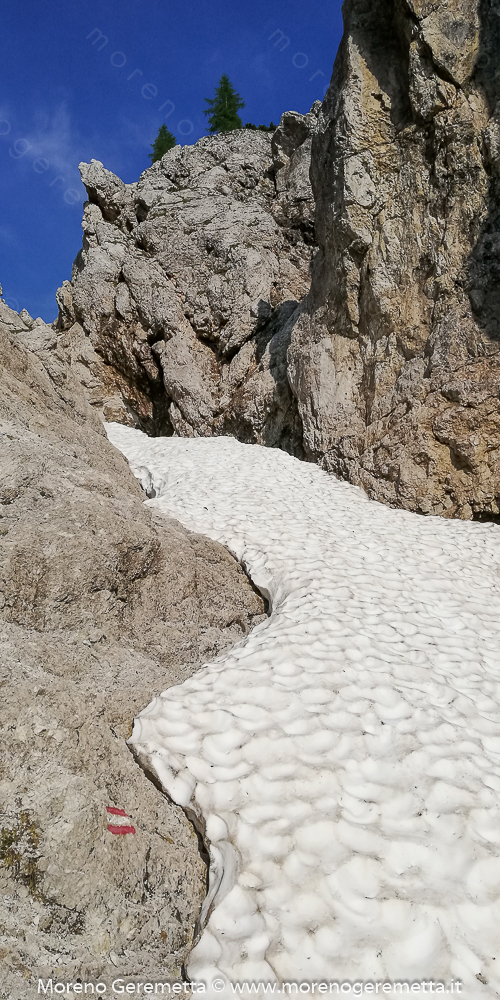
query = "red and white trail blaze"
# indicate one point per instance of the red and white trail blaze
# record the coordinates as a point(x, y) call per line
point(119, 826)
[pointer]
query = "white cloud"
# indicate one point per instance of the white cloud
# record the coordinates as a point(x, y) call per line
point(53, 139)
point(7, 235)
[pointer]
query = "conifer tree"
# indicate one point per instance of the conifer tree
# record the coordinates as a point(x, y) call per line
point(163, 142)
point(223, 108)
point(261, 128)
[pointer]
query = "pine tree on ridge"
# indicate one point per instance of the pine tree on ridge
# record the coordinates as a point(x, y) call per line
point(223, 108)
point(163, 142)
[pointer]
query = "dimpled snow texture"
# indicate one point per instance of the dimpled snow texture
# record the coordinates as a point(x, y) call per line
point(345, 756)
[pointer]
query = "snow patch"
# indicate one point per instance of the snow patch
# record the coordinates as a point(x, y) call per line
point(345, 756)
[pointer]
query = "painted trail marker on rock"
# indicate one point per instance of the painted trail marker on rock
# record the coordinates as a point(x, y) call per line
point(119, 826)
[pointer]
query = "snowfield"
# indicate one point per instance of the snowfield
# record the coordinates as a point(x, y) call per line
point(345, 757)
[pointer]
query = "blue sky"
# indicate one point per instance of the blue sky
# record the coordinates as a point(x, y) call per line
point(69, 93)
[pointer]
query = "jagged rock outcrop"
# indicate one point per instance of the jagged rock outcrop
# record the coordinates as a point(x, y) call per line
point(175, 319)
point(388, 373)
point(101, 606)
point(394, 361)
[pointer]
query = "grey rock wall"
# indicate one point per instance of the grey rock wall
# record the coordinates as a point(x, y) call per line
point(175, 319)
point(101, 607)
point(190, 311)
point(394, 361)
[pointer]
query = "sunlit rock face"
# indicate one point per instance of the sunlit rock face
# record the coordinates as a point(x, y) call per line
point(190, 311)
point(176, 317)
point(395, 362)
point(100, 604)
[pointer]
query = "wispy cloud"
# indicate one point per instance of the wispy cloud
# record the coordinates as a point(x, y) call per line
point(7, 235)
point(137, 132)
point(53, 138)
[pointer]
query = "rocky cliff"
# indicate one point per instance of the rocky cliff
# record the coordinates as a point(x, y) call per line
point(176, 316)
point(388, 372)
point(395, 360)
point(100, 607)
point(354, 323)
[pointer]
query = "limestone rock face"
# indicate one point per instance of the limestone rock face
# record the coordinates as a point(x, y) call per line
point(182, 313)
point(394, 361)
point(175, 319)
point(101, 606)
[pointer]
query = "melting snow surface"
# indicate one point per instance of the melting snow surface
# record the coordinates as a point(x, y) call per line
point(345, 756)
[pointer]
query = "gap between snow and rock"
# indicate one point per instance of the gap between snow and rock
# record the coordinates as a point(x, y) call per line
point(345, 756)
